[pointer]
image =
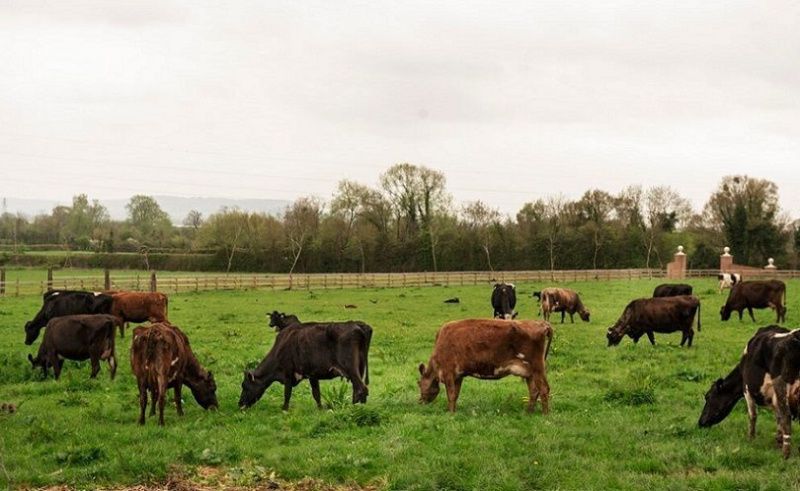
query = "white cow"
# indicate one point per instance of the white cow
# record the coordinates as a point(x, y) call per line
point(728, 280)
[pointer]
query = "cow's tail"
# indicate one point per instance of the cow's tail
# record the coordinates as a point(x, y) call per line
point(549, 335)
point(699, 305)
point(367, 330)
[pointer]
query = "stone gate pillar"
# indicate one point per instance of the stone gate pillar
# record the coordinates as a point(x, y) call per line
point(725, 260)
point(676, 270)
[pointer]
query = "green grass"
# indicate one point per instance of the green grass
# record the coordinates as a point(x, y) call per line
point(621, 418)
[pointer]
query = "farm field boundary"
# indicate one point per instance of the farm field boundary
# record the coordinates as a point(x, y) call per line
point(172, 282)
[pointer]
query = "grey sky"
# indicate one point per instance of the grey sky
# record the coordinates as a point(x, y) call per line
point(512, 100)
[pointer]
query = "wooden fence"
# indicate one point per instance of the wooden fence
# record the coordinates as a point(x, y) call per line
point(177, 283)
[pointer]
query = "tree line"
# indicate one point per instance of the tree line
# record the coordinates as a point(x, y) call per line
point(409, 222)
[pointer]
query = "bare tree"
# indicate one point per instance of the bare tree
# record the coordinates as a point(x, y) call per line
point(301, 220)
point(480, 218)
point(554, 211)
point(664, 210)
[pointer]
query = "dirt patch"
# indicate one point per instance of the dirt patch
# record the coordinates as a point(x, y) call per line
point(213, 478)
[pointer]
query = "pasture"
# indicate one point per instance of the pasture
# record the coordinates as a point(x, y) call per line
point(621, 418)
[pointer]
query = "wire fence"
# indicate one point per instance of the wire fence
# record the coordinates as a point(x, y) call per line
point(174, 283)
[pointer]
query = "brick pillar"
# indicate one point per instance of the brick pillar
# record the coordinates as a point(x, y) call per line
point(676, 270)
point(725, 261)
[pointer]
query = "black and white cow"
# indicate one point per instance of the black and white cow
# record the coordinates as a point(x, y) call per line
point(728, 280)
point(504, 299)
point(57, 303)
point(768, 374)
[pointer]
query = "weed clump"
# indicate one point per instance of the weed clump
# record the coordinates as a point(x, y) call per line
point(639, 394)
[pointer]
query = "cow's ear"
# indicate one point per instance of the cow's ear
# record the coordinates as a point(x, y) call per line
point(421, 368)
point(251, 375)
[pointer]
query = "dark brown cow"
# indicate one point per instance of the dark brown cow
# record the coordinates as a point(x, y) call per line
point(139, 307)
point(562, 300)
point(488, 349)
point(756, 295)
point(161, 358)
point(672, 290)
point(58, 303)
point(77, 337)
point(313, 350)
point(651, 315)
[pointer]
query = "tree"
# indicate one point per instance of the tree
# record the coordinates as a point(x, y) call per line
point(193, 220)
point(480, 218)
point(594, 210)
point(553, 217)
point(84, 221)
point(664, 210)
point(150, 223)
point(747, 212)
point(301, 221)
point(225, 230)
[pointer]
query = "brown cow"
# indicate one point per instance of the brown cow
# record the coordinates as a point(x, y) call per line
point(646, 316)
point(756, 295)
point(488, 349)
point(139, 307)
point(161, 358)
point(562, 300)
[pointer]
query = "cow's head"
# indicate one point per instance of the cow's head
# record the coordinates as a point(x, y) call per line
point(504, 293)
point(31, 332)
point(719, 404)
point(725, 312)
point(252, 390)
point(584, 315)
point(428, 384)
point(537, 296)
point(276, 319)
point(204, 390)
point(615, 335)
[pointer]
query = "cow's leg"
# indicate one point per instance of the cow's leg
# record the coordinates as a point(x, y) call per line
point(315, 391)
point(783, 414)
point(57, 364)
point(562, 316)
point(741, 312)
point(750, 311)
point(572, 317)
point(651, 337)
point(112, 365)
point(752, 414)
point(162, 400)
point(453, 386)
point(153, 401)
point(538, 388)
point(287, 394)
point(142, 401)
point(95, 360)
point(178, 401)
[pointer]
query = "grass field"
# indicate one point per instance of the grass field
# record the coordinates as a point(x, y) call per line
point(621, 418)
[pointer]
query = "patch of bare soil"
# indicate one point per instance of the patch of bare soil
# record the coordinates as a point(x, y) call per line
point(212, 478)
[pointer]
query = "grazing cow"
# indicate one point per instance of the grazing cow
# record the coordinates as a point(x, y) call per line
point(59, 303)
point(488, 349)
point(161, 358)
point(756, 295)
point(562, 300)
point(728, 280)
point(77, 337)
point(651, 315)
point(672, 290)
point(139, 307)
point(313, 350)
point(504, 299)
point(767, 375)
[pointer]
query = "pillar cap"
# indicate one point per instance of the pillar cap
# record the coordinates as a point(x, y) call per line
point(726, 251)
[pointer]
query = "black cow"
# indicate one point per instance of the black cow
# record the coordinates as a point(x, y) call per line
point(651, 315)
point(504, 299)
point(316, 351)
point(58, 303)
point(279, 320)
point(77, 337)
point(672, 290)
point(756, 295)
point(767, 375)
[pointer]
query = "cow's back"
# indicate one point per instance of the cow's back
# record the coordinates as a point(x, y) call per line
point(73, 336)
point(480, 344)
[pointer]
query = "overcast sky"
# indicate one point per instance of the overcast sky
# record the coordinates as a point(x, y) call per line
point(512, 100)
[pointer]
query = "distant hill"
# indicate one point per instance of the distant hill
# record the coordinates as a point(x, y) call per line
point(175, 206)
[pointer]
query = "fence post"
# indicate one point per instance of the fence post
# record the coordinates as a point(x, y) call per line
point(17, 287)
point(107, 279)
point(2, 281)
point(153, 282)
point(49, 279)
